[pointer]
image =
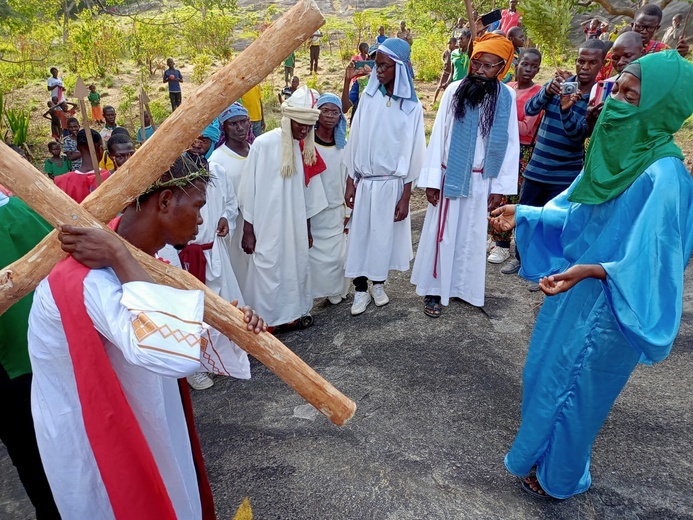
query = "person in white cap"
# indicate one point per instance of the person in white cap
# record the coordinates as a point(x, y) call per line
point(383, 158)
point(280, 191)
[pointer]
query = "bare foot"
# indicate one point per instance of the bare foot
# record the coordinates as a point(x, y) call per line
point(534, 485)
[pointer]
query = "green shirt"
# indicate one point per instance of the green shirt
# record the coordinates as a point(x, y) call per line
point(54, 170)
point(460, 64)
point(20, 230)
point(291, 60)
point(94, 99)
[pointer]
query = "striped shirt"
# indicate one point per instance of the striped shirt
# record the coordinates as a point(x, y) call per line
point(559, 152)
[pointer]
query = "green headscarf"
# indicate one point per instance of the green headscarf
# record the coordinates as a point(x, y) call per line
point(628, 139)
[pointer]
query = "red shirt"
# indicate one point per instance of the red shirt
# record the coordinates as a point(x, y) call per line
point(509, 20)
point(528, 124)
point(78, 185)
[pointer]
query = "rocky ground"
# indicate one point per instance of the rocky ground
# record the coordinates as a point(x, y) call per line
point(438, 406)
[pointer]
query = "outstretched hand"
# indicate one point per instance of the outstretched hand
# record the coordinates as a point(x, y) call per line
point(503, 218)
point(562, 282)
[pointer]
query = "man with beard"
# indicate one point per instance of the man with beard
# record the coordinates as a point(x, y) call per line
point(472, 158)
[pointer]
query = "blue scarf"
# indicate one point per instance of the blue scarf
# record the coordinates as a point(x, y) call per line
point(458, 175)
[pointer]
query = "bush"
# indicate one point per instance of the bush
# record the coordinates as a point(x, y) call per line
point(160, 110)
point(96, 44)
point(18, 122)
point(547, 23)
point(202, 63)
point(150, 44)
point(426, 57)
point(213, 36)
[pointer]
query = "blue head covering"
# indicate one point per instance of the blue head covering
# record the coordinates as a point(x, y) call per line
point(212, 132)
point(399, 51)
point(234, 110)
point(340, 129)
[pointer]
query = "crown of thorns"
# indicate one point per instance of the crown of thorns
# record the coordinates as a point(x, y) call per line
point(178, 182)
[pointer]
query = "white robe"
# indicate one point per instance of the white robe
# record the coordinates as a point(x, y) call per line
point(219, 275)
point(278, 282)
point(327, 227)
point(234, 165)
point(385, 150)
point(461, 265)
point(148, 379)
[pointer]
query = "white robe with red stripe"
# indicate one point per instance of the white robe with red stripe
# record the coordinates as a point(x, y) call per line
point(459, 259)
point(148, 376)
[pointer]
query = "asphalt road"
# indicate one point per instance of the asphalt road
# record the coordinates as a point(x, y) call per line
point(438, 406)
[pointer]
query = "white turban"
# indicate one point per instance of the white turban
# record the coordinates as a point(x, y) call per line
point(300, 107)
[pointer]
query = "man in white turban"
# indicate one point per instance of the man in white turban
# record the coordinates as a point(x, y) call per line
point(280, 191)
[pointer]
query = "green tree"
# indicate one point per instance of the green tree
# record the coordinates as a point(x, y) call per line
point(212, 36)
point(204, 6)
point(150, 43)
point(96, 44)
point(547, 23)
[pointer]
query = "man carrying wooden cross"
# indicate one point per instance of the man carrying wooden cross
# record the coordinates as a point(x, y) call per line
point(114, 434)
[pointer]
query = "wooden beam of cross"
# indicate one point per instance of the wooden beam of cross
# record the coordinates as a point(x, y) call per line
point(58, 208)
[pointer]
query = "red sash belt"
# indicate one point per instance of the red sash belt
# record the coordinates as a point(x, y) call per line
point(192, 258)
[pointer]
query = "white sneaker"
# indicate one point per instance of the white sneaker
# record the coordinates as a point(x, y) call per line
point(334, 300)
point(200, 381)
point(489, 244)
point(361, 301)
point(380, 297)
point(498, 255)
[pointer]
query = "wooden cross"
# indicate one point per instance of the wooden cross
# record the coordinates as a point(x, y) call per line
point(144, 107)
point(81, 91)
point(145, 167)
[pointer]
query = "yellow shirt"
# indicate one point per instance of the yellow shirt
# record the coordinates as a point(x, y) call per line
point(252, 101)
point(106, 163)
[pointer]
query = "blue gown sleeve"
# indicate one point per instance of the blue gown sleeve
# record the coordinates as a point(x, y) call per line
point(644, 284)
point(538, 237)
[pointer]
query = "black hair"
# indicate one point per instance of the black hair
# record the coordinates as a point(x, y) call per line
point(531, 50)
point(53, 69)
point(108, 107)
point(650, 10)
point(121, 130)
point(82, 137)
point(72, 120)
point(452, 40)
point(594, 44)
point(117, 139)
point(53, 143)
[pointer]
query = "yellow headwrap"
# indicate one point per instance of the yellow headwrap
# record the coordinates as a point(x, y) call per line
point(498, 45)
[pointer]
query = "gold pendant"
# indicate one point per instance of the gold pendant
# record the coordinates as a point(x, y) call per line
point(389, 102)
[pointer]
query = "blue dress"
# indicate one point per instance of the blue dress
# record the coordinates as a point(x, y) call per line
point(587, 341)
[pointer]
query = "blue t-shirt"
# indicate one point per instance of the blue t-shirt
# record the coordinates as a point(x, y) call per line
point(380, 39)
point(173, 84)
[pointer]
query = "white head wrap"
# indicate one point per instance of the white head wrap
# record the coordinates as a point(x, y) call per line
point(300, 107)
